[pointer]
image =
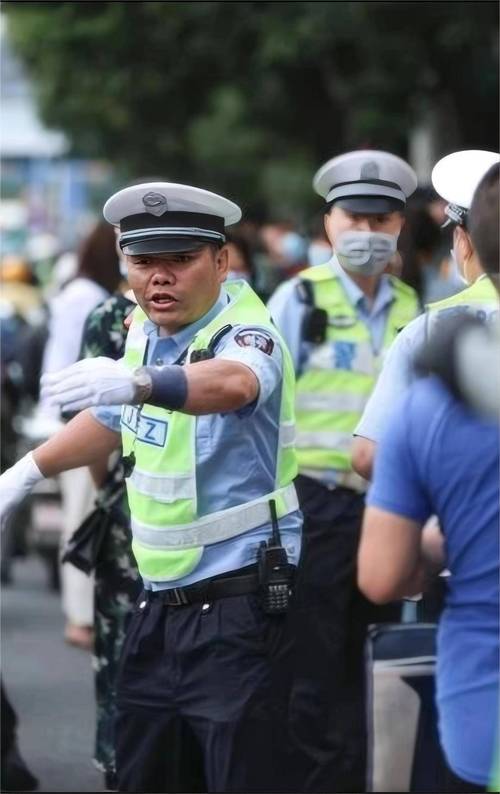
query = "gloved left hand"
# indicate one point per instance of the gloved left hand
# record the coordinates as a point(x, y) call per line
point(16, 483)
point(92, 381)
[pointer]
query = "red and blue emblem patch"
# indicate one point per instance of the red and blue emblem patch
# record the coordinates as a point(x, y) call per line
point(255, 339)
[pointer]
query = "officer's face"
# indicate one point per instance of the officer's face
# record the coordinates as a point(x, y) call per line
point(177, 289)
point(339, 220)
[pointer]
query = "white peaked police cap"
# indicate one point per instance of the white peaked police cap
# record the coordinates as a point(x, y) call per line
point(165, 217)
point(456, 177)
point(367, 180)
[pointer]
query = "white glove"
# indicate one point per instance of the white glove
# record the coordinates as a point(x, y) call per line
point(16, 483)
point(93, 381)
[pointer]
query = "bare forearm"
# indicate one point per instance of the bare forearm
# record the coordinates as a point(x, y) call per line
point(389, 562)
point(217, 386)
point(82, 442)
point(98, 471)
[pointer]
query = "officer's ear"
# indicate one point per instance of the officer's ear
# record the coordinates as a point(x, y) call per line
point(329, 225)
point(222, 262)
point(462, 243)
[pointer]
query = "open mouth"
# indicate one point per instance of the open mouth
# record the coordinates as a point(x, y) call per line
point(162, 300)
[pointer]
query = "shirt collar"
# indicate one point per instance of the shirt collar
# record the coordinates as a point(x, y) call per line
point(184, 337)
point(356, 296)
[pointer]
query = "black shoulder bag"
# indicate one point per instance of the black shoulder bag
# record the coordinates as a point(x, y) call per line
point(83, 549)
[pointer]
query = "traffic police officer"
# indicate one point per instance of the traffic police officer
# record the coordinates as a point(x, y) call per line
point(455, 178)
point(207, 389)
point(338, 319)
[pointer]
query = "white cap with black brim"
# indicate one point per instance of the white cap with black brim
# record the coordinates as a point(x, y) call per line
point(366, 181)
point(166, 217)
point(456, 177)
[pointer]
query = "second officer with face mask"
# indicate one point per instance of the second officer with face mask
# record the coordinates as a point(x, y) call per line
point(338, 319)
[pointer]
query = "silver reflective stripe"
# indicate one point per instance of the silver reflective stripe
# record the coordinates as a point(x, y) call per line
point(368, 188)
point(170, 231)
point(215, 527)
point(330, 401)
point(345, 479)
point(163, 488)
point(319, 439)
point(418, 664)
point(287, 434)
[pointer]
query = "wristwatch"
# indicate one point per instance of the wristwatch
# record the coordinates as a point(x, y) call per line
point(143, 385)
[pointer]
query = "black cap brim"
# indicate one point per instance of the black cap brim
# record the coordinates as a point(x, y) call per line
point(369, 204)
point(164, 245)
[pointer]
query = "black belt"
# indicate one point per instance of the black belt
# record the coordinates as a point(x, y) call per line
point(208, 590)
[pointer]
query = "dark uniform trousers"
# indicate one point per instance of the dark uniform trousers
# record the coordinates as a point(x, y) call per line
point(329, 620)
point(223, 668)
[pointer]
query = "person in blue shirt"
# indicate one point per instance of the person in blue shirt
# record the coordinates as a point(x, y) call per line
point(437, 458)
point(208, 420)
point(338, 318)
point(455, 178)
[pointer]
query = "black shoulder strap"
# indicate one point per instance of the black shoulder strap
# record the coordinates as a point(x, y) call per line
point(315, 320)
point(209, 351)
point(305, 291)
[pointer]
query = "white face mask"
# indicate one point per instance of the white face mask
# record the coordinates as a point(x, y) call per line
point(365, 253)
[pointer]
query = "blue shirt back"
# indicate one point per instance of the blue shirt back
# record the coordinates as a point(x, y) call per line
point(436, 457)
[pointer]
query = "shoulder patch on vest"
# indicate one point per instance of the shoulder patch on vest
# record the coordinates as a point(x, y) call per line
point(256, 339)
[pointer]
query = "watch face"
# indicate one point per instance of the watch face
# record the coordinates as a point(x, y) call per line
point(143, 379)
point(143, 384)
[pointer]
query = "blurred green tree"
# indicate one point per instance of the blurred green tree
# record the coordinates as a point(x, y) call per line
point(250, 97)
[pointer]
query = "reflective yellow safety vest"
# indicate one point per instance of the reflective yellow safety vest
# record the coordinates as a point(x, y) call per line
point(168, 533)
point(340, 375)
point(480, 299)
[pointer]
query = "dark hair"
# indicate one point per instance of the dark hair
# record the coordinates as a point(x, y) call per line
point(484, 219)
point(419, 239)
point(98, 258)
point(239, 242)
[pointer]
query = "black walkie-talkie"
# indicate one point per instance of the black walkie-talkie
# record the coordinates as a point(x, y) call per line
point(275, 572)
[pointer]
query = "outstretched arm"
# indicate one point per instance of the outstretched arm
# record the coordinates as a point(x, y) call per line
point(82, 442)
point(213, 386)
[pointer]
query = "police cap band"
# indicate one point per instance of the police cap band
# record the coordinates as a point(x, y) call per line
point(366, 181)
point(165, 217)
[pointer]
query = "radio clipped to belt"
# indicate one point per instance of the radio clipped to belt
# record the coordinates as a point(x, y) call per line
point(276, 574)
